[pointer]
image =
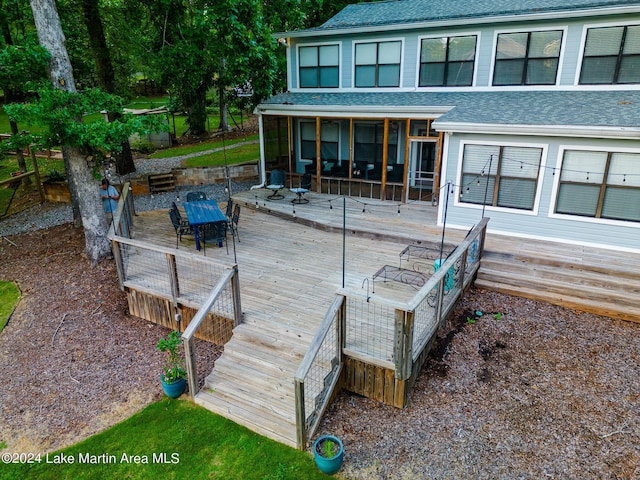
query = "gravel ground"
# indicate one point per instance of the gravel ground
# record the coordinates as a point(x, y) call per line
point(49, 215)
point(539, 392)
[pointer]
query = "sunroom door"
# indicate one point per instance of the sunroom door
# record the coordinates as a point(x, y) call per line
point(422, 165)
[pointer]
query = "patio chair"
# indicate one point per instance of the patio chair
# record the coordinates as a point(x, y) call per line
point(305, 185)
point(229, 211)
point(233, 223)
point(215, 233)
point(181, 227)
point(195, 196)
point(276, 183)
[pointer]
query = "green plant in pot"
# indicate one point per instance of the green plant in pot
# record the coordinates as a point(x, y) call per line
point(328, 453)
point(174, 376)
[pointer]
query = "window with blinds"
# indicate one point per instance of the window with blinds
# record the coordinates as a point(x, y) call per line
point(318, 66)
point(500, 176)
point(600, 185)
point(611, 56)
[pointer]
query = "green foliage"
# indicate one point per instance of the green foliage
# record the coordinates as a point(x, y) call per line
point(497, 316)
point(143, 147)
point(60, 113)
point(207, 446)
point(9, 296)
point(328, 449)
point(56, 176)
point(174, 368)
point(23, 67)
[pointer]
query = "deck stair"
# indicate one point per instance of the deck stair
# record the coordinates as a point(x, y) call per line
point(584, 278)
point(161, 182)
point(252, 382)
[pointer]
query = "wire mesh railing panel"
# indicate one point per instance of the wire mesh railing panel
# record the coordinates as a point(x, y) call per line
point(370, 328)
point(321, 376)
point(145, 268)
point(425, 323)
point(473, 256)
point(196, 278)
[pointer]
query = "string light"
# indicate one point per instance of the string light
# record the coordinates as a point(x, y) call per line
point(398, 210)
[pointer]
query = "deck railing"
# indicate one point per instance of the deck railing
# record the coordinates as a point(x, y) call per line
point(123, 216)
point(319, 372)
point(386, 332)
point(381, 331)
point(224, 297)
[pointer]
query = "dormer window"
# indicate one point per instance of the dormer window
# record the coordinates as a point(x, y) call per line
point(611, 56)
point(377, 64)
point(319, 66)
point(527, 58)
point(447, 61)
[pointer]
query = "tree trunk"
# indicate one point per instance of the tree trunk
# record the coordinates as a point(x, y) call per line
point(79, 175)
point(106, 76)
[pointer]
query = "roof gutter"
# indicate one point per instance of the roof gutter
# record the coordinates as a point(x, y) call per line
point(631, 133)
point(363, 111)
point(456, 22)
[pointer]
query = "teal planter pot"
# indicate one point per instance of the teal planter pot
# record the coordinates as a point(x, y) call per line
point(326, 464)
point(175, 389)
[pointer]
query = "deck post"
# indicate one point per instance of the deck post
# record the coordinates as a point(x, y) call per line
point(235, 291)
point(403, 345)
point(192, 372)
point(173, 278)
point(117, 256)
point(301, 421)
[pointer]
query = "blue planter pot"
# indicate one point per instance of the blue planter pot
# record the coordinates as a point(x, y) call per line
point(325, 464)
point(175, 389)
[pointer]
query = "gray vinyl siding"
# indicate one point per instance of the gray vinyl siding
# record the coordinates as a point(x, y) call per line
point(573, 31)
point(512, 222)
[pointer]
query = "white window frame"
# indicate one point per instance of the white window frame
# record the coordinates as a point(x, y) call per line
point(494, 52)
point(377, 40)
point(583, 44)
point(318, 44)
point(477, 34)
point(555, 190)
point(459, 187)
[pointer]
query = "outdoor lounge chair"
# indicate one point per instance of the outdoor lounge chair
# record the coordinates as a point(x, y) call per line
point(305, 185)
point(276, 183)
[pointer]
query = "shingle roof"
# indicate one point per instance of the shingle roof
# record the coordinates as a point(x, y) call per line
point(613, 108)
point(397, 12)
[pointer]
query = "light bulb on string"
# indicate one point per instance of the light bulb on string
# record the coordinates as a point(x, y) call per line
point(624, 178)
point(398, 210)
point(587, 175)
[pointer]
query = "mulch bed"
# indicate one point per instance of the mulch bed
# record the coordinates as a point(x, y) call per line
point(538, 391)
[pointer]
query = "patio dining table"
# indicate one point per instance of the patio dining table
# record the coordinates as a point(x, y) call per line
point(203, 212)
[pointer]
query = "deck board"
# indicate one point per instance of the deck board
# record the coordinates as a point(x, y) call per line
point(290, 268)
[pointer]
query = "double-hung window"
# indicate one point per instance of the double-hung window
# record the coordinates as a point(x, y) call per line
point(501, 176)
point(377, 64)
point(319, 66)
point(600, 185)
point(611, 56)
point(447, 61)
point(527, 58)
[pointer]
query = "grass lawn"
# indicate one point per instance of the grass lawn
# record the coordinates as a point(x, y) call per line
point(241, 154)
point(196, 444)
point(9, 296)
point(200, 147)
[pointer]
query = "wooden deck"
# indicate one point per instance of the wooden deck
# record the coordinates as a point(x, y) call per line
point(290, 266)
